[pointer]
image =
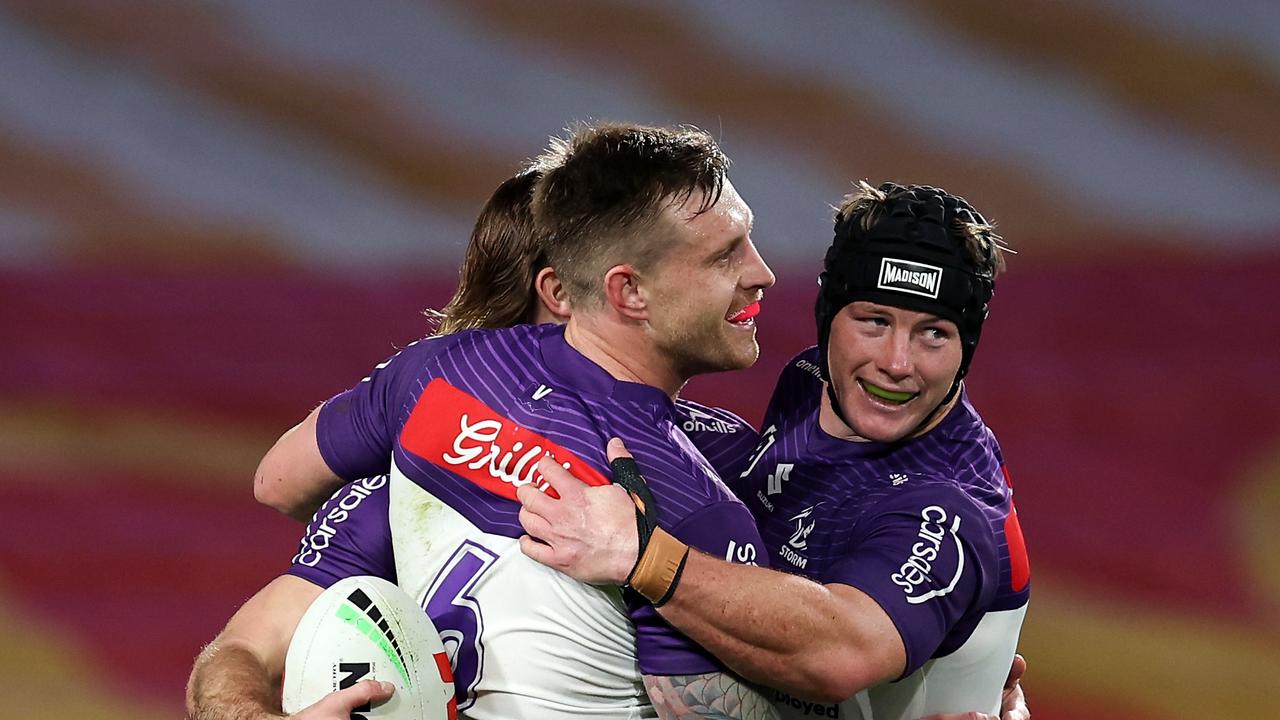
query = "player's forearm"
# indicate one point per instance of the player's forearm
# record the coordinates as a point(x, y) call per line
point(230, 683)
point(770, 627)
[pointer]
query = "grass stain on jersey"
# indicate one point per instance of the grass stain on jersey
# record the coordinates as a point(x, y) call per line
point(426, 514)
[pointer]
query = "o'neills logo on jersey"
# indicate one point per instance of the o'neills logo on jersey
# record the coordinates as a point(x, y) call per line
point(699, 421)
point(457, 432)
point(911, 277)
point(936, 561)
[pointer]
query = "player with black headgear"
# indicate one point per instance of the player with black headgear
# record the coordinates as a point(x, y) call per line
point(879, 491)
point(916, 248)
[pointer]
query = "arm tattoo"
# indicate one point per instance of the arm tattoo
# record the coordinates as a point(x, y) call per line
point(717, 695)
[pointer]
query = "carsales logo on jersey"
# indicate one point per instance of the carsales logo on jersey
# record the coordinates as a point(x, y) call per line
point(459, 433)
point(336, 511)
point(923, 576)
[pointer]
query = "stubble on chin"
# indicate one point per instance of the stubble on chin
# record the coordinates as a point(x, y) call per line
point(707, 349)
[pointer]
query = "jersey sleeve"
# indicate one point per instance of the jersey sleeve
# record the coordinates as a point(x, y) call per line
point(928, 558)
point(349, 535)
point(724, 530)
point(356, 428)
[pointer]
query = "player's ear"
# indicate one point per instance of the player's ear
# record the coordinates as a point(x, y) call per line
point(552, 295)
point(623, 293)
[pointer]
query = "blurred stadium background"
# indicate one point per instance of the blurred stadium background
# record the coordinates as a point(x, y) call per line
point(215, 214)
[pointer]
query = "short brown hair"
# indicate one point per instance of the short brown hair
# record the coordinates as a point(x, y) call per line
point(495, 283)
point(605, 188)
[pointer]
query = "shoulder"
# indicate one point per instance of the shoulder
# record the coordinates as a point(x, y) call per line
point(411, 358)
point(967, 454)
point(481, 340)
point(935, 508)
point(927, 542)
point(493, 365)
point(799, 383)
point(431, 345)
point(802, 369)
point(676, 467)
point(964, 426)
point(919, 490)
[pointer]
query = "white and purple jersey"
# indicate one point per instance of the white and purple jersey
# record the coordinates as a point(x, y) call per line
point(926, 528)
point(442, 434)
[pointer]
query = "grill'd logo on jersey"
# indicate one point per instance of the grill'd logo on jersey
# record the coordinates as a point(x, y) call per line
point(457, 432)
point(910, 277)
point(925, 571)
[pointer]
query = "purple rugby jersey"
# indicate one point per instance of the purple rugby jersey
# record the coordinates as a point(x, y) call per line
point(723, 438)
point(448, 428)
point(926, 528)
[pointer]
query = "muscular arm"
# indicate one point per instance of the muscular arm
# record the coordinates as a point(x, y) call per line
point(239, 687)
point(721, 695)
point(822, 642)
point(709, 695)
point(238, 675)
point(826, 642)
point(293, 477)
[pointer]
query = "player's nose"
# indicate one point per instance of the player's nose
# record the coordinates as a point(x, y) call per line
point(757, 274)
point(895, 355)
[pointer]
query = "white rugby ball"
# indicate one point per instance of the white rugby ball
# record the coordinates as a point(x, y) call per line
point(365, 628)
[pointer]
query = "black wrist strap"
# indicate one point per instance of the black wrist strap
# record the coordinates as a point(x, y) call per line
point(627, 474)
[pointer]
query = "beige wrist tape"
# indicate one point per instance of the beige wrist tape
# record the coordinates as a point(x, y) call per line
point(658, 571)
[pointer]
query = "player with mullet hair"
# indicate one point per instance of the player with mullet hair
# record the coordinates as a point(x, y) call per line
point(503, 280)
point(459, 421)
point(879, 491)
point(502, 266)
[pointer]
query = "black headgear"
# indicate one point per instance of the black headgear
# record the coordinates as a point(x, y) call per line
point(912, 257)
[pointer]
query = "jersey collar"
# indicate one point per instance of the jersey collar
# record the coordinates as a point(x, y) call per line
point(573, 369)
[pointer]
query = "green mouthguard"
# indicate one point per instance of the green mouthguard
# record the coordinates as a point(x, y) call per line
point(890, 395)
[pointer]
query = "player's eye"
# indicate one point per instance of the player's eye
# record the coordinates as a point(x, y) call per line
point(936, 335)
point(871, 324)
